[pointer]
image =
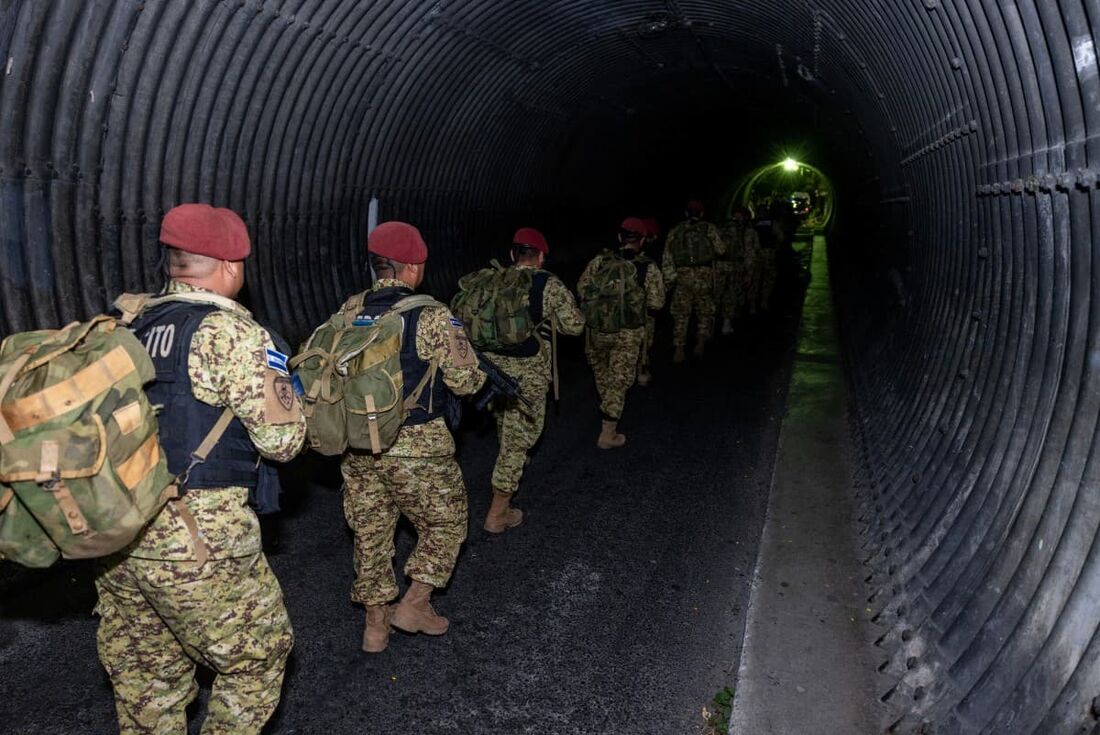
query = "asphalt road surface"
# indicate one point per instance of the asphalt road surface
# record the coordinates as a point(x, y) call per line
point(617, 607)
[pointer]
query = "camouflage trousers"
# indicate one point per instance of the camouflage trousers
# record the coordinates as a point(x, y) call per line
point(694, 292)
point(647, 342)
point(729, 290)
point(429, 492)
point(519, 427)
point(752, 287)
point(614, 360)
point(159, 618)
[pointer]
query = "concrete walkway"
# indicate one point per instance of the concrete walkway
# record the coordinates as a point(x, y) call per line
point(807, 665)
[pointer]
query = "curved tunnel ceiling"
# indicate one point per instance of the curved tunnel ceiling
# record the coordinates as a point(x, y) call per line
point(962, 135)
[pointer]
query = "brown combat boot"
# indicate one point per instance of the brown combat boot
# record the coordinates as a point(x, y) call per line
point(700, 346)
point(678, 355)
point(376, 633)
point(609, 437)
point(414, 614)
point(502, 515)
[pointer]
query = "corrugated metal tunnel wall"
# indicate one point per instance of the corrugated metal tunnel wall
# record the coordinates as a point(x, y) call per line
point(962, 135)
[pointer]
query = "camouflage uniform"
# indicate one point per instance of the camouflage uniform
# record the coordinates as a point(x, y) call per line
point(160, 611)
point(647, 342)
point(734, 268)
point(519, 428)
point(614, 355)
point(418, 477)
point(694, 284)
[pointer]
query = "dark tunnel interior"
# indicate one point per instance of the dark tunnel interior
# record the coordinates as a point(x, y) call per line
point(959, 134)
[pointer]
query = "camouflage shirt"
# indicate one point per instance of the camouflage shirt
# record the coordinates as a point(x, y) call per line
point(741, 241)
point(438, 335)
point(228, 367)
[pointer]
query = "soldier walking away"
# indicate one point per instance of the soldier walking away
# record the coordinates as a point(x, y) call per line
point(653, 233)
point(195, 586)
point(417, 476)
point(734, 267)
point(688, 263)
point(616, 290)
point(531, 362)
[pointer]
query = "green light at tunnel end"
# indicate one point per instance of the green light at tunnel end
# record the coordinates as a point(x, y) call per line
point(789, 164)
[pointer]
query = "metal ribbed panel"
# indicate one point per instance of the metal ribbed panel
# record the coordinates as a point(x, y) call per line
point(962, 135)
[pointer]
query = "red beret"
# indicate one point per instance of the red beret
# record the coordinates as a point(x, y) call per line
point(653, 229)
point(398, 241)
point(635, 226)
point(532, 238)
point(205, 230)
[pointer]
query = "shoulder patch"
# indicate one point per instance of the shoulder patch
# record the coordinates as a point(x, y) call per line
point(277, 361)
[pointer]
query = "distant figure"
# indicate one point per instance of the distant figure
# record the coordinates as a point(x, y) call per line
point(689, 265)
point(653, 234)
point(734, 267)
point(617, 289)
point(195, 587)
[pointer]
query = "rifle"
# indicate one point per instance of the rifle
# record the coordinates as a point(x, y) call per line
point(499, 385)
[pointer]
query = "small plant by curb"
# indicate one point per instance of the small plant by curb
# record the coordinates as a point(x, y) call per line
point(716, 714)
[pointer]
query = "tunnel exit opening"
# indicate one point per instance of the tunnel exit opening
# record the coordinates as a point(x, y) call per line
point(806, 189)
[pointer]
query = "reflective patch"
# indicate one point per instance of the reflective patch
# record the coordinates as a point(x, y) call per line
point(363, 320)
point(455, 322)
point(277, 361)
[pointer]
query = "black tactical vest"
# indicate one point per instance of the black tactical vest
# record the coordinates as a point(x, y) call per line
point(437, 395)
point(166, 332)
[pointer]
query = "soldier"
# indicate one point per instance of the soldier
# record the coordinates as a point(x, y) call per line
point(733, 267)
point(615, 312)
point(689, 261)
point(195, 586)
point(518, 428)
point(653, 232)
point(418, 476)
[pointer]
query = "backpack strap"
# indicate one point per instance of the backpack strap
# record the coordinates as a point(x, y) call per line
point(202, 451)
point(416, 301)
point(411, 303)
point(131, 306)
point(6, 434)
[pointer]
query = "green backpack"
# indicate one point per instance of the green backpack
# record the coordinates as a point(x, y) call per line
point(612, 299)
point(495, 305)
point(349, 377)
point(690, 245)
point(81, 469)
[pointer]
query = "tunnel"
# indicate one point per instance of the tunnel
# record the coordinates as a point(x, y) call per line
point(956, 134)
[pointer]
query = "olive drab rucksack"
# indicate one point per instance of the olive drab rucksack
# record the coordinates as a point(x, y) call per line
point(613, 299)
point(495, 305)
point(81, 469)
point(349, 378)
point(690, 245)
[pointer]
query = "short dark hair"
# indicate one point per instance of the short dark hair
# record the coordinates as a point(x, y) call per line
point(381, 263)
point(525, 252)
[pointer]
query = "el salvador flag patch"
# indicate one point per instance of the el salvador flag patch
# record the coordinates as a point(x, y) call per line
point(277, 361)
